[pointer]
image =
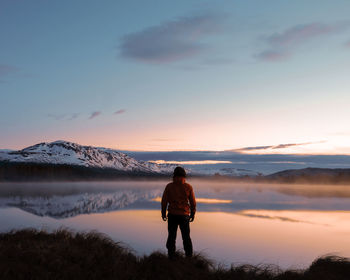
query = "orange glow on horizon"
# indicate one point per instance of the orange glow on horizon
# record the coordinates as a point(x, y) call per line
point(196, 136)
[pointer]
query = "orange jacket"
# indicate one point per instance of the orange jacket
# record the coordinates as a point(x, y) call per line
point(180, 198)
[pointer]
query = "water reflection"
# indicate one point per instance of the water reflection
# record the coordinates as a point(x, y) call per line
point(225, 237)
point(62, 200)
point(289, 225)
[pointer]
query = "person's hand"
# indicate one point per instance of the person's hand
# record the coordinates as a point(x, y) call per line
point(191, 218)
point(164, 218)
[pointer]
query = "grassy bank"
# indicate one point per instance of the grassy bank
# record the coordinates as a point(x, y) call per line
point(32, 254)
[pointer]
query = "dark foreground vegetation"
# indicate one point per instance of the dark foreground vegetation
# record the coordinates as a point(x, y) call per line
point(32, 254)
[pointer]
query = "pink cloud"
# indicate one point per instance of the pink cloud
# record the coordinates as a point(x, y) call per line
point(94, 115)
point(7, 69)
point(118, 112)
point(271, 55)
point(171, 40)
point(282, 45)
point(67, 117)
point(300, 33)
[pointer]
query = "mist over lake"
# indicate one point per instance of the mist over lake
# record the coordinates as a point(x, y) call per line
point(289, 225)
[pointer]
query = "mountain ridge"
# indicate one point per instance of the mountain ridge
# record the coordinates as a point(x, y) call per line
point(63, 160)
point(69, 153)
point(88, 161)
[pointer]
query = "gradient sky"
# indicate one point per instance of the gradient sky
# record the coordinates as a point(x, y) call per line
point(177, 75)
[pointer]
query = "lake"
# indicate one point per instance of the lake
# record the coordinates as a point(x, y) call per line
point(286, 225)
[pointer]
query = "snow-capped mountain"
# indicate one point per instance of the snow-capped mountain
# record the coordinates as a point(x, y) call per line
point(63, 152)
point(59, 207)
point(72, 154)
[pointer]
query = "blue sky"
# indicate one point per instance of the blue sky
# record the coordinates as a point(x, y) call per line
point(176, 75)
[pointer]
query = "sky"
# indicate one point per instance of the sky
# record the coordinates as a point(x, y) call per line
point(250, 76)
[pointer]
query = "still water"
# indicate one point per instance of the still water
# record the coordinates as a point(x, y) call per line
point(287, 225)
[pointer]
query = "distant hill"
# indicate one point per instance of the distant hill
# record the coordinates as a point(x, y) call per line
point(311, 175)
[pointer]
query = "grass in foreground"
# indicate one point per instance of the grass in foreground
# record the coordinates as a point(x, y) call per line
point(33, 254)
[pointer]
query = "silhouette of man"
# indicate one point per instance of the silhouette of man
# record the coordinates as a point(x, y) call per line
point(179, 197)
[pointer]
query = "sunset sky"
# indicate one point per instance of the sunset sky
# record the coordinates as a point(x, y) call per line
point(252, 76)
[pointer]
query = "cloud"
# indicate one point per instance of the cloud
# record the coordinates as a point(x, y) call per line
point(283, 44)
point(67, 117)
point(272, 55)
point(284, 146)
point(347, 44)
point(300, 33)
point(73, 116)
point(6, 70)
point(56, 116)
point(95, 114)
point(252, 148)
point(118, 112)
point(273, 147)
point(172, 40)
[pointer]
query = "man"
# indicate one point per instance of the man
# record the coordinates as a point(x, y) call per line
point(179, 197)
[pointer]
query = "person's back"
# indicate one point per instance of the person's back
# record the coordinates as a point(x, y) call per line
point(179, 198)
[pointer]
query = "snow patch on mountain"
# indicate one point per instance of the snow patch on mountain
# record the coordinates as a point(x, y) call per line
point(63, 152)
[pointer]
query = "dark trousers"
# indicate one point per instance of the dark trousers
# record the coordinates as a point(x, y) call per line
point(173, 222)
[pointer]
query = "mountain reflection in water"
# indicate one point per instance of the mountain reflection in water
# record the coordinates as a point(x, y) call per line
point(61, 200)
point(289, 225)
